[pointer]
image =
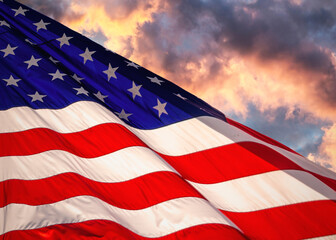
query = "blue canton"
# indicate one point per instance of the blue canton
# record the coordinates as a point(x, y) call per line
point(44, 64)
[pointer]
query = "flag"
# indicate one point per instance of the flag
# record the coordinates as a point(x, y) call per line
point(92, 145)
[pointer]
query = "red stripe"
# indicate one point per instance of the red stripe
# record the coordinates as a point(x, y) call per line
point(234, 161)
point(229, 162)
point(42, 136)
point(138, 193)
point(297, 221)
point(208, 166)
point(258, 135)
point(92, 142)
point(101, 229)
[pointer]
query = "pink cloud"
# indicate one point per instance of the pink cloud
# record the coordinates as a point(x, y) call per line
point(326, 155)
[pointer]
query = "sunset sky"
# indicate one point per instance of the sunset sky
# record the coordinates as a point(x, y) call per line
point(269, 64)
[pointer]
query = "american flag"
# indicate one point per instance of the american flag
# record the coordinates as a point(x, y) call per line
point(93, 145)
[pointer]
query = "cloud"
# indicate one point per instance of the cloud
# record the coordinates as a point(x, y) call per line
point(286, 126)
point(326, 155)
point(276, 44)
point(55, 9)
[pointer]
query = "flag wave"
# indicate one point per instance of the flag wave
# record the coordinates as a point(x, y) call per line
point(93, 145)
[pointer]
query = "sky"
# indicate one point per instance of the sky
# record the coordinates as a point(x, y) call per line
point(269, 64)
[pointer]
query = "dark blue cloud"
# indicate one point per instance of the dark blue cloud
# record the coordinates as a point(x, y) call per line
point(97, 36)
point(271, 30)
point(300, 132)
point(54, 9)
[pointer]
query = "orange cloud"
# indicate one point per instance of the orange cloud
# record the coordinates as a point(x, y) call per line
point(328, 146)
point(111, 18)
point(326, 155)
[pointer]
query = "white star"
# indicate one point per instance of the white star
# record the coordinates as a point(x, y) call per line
point(100, 96)
point(81, 90)
point(78, 79)
point(53, 60)
point(41, 25)
point(32, 62)
point(135, 90)
point(180, 96)
point(19, 11)
point(87, 55)
point(123, 114)
point(8, 50)
point(57, 75)
point(37, 97)
point(160, 107)
point(11, 81)
point(132, 64)
point(4, 23)
point(64, 40)
point(110, 72)
point(155, 80)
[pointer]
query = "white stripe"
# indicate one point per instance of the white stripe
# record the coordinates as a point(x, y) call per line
point(237, 135)
point(156, 221)
point(251, 193)
point(267, 190)
point(330, 237)
point(83, 115)
point(73, 118)
point(178, 139)
point(118, 166)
